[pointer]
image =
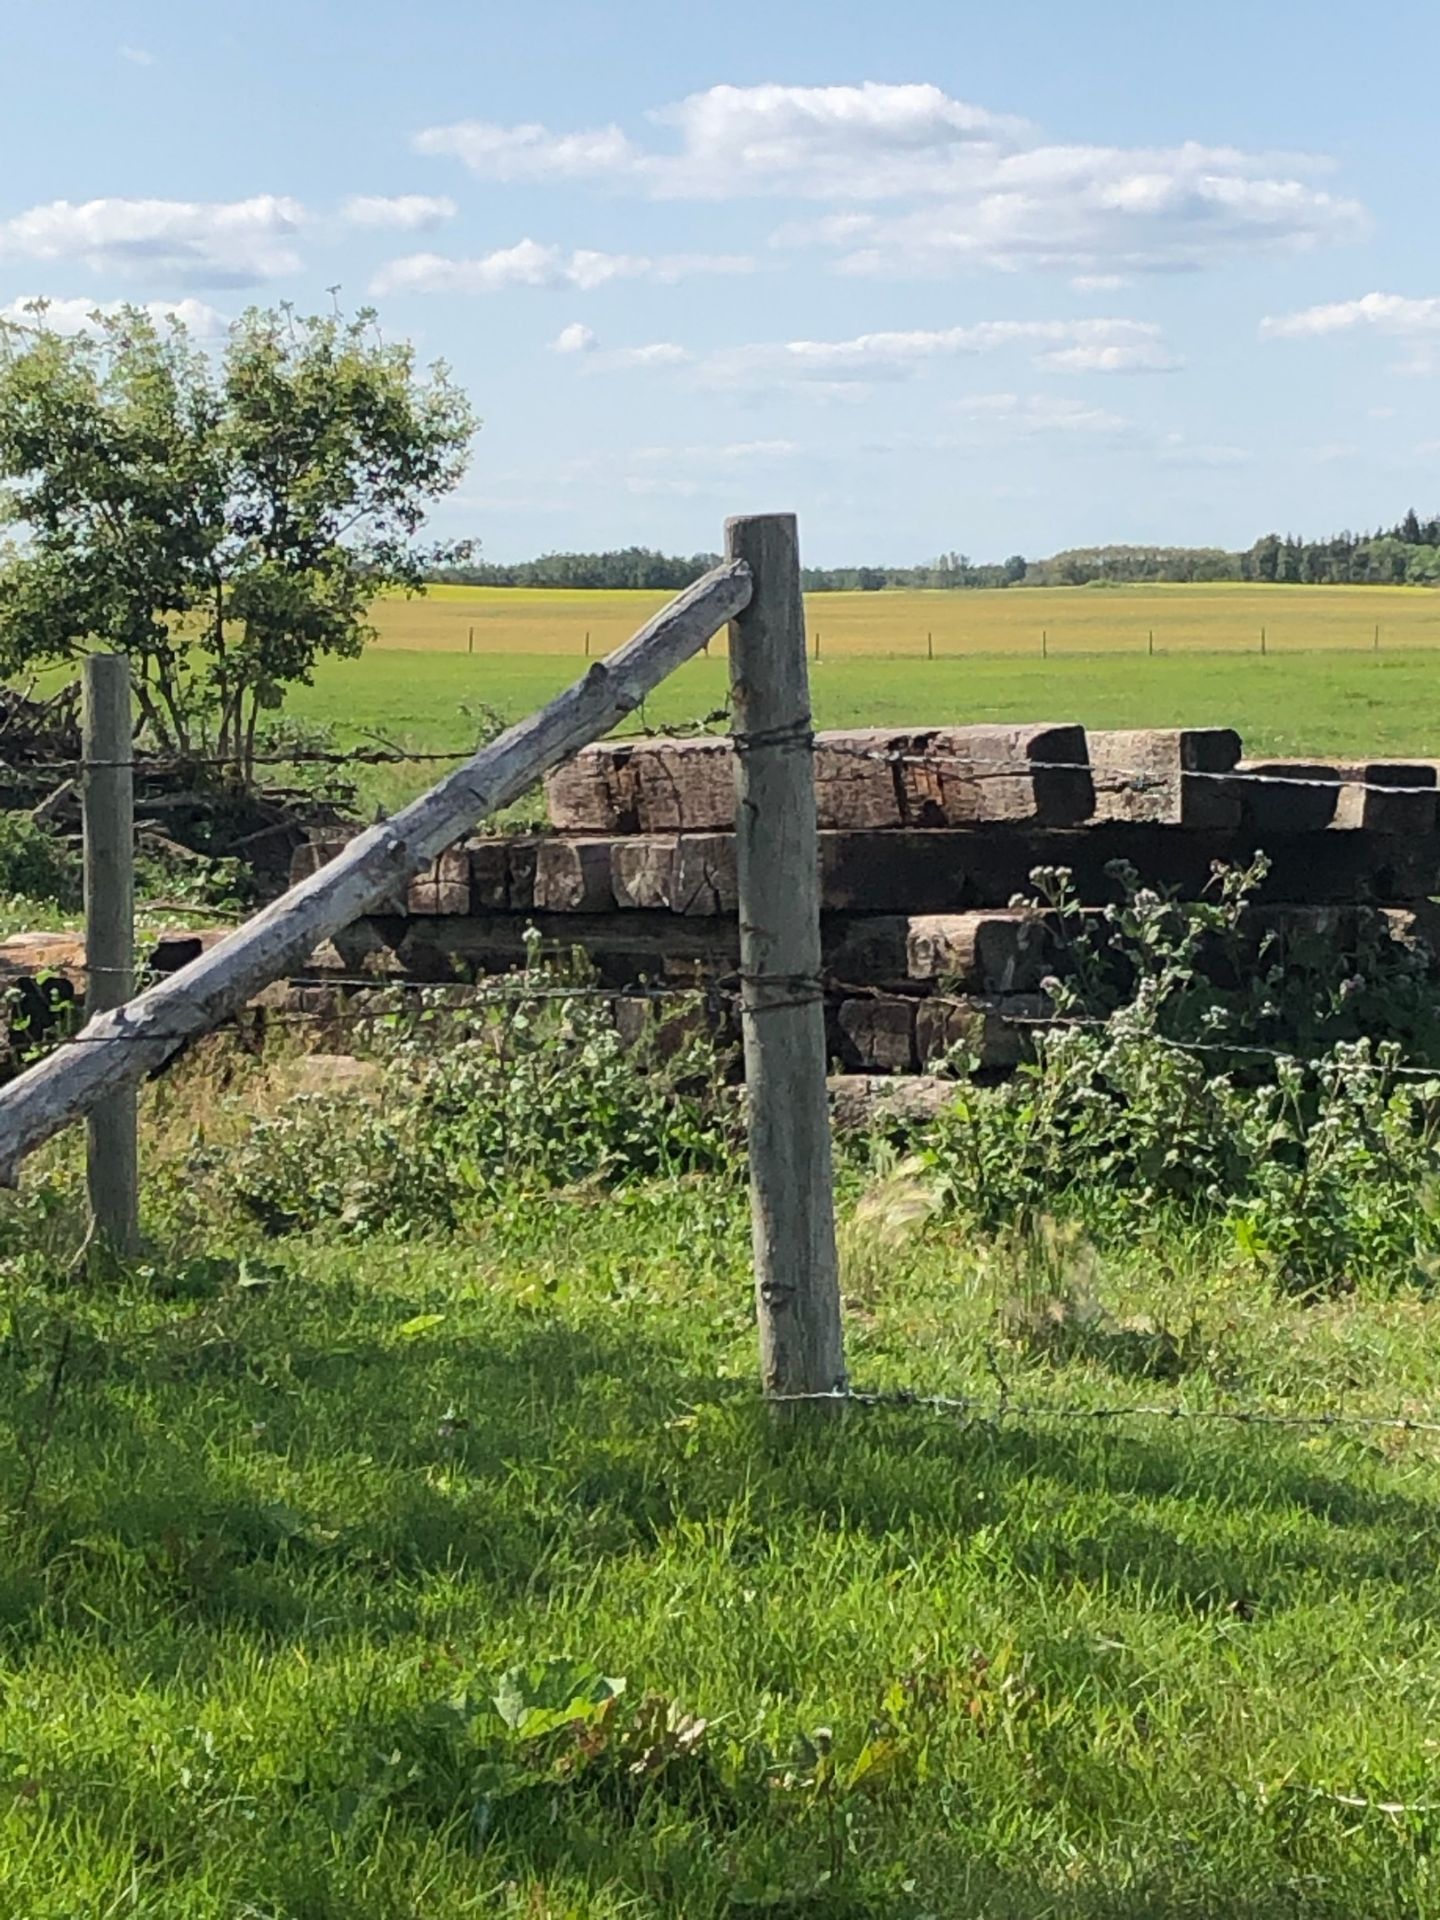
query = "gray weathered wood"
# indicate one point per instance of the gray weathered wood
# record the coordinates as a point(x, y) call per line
point(1287, 796)
point(1387, 796)
point(876, 1033)
point(624, 948)
point(443, 886)
point(783, 1020)
point(868, 778)
point(860, 1101)
point(573, 876)
point(119, 1048)
point(1167, 776)
point(1004, 951)
point(112, 1154)
point(1367, 796)
point(996, 1031)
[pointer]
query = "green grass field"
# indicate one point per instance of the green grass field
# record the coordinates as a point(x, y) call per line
point(299, 1505)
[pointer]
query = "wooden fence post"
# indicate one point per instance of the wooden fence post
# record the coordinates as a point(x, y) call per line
point(112, 1168)
point(792, 1212)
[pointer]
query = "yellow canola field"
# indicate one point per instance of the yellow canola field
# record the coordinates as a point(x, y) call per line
point(909, 625)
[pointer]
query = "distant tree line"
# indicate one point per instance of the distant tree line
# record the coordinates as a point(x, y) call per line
point(626, 567)
point(1405, 554)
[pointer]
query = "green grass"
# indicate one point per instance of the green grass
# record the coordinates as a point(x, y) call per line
point(1319, 703)
point(290, 1509)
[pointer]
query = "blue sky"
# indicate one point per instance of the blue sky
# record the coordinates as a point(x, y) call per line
point(935, 275)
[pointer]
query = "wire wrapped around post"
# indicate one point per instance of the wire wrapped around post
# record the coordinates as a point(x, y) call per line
point(797, 1286)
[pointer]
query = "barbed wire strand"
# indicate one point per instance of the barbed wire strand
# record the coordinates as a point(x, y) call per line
point(713, 997)
point(1117, 1029)
point(995, 1410)
point(967, 768)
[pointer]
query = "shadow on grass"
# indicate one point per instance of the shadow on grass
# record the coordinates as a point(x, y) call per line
point(266, 1472)
point(296, 1466)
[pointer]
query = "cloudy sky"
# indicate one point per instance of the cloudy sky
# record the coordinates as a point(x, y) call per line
point(935, 274)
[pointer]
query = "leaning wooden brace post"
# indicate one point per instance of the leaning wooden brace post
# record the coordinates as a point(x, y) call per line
point(112, 1167)
point(117, 1049)
point(797, 1286)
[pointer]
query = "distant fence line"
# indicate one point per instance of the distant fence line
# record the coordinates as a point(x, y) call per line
point(1044, 643)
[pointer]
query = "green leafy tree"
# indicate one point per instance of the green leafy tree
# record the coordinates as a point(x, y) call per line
point(227, 521)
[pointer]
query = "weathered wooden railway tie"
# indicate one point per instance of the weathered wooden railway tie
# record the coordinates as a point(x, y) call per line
point(927, 837)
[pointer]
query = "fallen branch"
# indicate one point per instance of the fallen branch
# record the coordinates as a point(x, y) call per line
point(119, 1048)
point(53, 805)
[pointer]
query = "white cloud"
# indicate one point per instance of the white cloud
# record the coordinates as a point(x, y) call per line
point(1063, 419)
point(407, 212)
point(1099, 282)
point(658, 353)
point(825, 142)
point(200, 243)
point(1392, 313)
point(672, 267)
point(137, 56)
point(1103, 211)
point(984, 189)
point(526, 264)
point(530, 264)
point(1381, 413)
point(576, 338)
point(868, 142)
point(1073, 346)
point(1397, 316)
point(74, 316)
point(584, 345)
point(1138, 356)
point(1043, 413)
point(726, 452)
point(529, 152)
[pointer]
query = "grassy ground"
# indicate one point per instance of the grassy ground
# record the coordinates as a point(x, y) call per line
point(296, 1508)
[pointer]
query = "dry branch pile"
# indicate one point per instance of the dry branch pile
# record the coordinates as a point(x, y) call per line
point(185, 809)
